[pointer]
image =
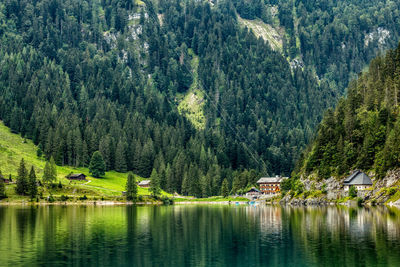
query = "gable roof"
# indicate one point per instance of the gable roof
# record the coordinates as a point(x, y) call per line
point(358, 178)
point(144, 182)
point(276, 179)
point(75, 175)
point(253, 189)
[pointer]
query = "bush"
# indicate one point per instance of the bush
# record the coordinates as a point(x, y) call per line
point(323, 189)
point(373, 202)
point(352, 191)
point(64, 198)
point(360, 201)
point(167, 201)
point(83, 198)
point(391, 191)
point(50, 199)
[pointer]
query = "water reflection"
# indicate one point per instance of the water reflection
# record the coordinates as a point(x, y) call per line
point(199, 235)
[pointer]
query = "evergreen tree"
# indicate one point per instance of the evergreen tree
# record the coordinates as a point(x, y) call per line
point(2, 188)
point(120, 157)
point(154, 183)
point(53, 167)
point(225, 188)
point(131, 187)
point(22, 180)
point(97, 166)
point(48, 173)
point(32, 184)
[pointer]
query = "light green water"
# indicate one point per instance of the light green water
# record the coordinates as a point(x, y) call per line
point(198, 235)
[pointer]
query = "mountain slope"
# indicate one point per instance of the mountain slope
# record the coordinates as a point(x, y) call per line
point(363, 132)
point(13, 148)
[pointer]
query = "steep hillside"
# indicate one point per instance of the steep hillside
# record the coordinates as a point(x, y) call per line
point(178, 87)
point(13, 148)
point(363, 132)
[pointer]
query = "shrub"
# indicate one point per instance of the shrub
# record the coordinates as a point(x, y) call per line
point(391, 191)
point(50, 199)
point(360, 201)
point(64, 198)
point(323, 189)
point(83, 198)
point(352, 191)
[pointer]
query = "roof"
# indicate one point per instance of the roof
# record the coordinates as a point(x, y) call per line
point(253, 189)
point(144, 182)
point(75, 175)
point(358, 178)
point(276, 179)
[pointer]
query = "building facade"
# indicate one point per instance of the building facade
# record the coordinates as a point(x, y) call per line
point(270, 185)
point(359, 180)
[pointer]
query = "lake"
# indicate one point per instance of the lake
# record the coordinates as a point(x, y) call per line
point(199, 235)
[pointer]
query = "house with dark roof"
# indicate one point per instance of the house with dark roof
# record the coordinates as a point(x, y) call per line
point(359, 180)
point(253, 192)
point(271, 185)
point(144, 183)
point(77, 177)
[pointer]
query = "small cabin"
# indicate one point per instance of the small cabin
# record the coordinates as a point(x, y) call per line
point(144, 183)
point(359, 180)
point(77, 177)
point(5, 180)
point(253, 192)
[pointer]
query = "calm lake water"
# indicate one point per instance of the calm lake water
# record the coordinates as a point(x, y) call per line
point(199, 235)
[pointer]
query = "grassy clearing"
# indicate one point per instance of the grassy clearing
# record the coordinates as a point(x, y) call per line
point(265, 31)
point(192, 103)
point(13, 148)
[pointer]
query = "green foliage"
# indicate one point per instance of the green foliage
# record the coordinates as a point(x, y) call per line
point(50, 172)
point(352, 191)
point(2, 189)
point(364, 130)
point(32, 184)
point(22, 187)
point(131, 187)
point(97, 166)
point(225, 188)
point(154, 184)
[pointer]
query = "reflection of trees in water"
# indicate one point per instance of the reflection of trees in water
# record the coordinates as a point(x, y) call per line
point(200, 235)
point(352, 236)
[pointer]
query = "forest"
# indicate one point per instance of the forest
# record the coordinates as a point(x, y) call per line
point(80, 77)
point(363, 132)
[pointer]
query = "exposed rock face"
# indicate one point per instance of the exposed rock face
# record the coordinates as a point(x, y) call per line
point(334, 188)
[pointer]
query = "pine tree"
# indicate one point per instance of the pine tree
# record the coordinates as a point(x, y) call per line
point(48, 173)
point(97, 166)
point(225, 188)
point(131, 187)
point(2, 187)
point(53, 167)
point(154, 183)
point(120, 157)
point(32, 184)
point(22, 181)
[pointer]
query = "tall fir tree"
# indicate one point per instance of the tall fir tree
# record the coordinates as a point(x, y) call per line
point(2, 187)
point(120, 157)
point(22, 180)
point(154, 184)
point(48, 173)
point(131, 187)
point(97, 167)
point(225, 188)
point(32, 184)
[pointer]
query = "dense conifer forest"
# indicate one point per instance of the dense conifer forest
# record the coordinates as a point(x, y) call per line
point(81, 76)
point(363, 132)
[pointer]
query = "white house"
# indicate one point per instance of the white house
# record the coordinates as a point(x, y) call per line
point(359, 180)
